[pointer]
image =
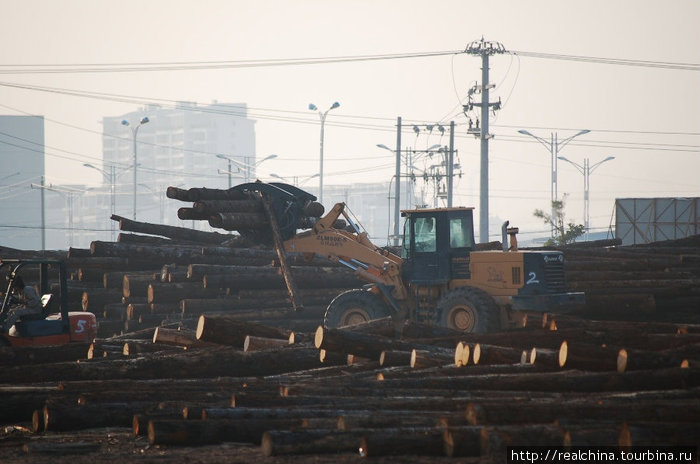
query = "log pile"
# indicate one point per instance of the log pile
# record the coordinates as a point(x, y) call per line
point(199, 349)
point(658, 281)
point(239, 384)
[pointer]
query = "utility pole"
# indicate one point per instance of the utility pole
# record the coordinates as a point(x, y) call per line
point(485, 50)
point(451, 165)
point(397, 196)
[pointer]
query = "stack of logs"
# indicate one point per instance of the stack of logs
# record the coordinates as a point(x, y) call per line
point(432, 393)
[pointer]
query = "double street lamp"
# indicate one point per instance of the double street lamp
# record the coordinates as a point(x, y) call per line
point(586, 170)
point(295, 179)
point(247, 168)
point(134, 132)
point(553, 146)
point(322, 115)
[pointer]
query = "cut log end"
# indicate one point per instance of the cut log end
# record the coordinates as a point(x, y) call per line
point(267, 445)
point(200, 327)
point(563, 353)
point(476, 355)
point(318, 337)
point(622, 357)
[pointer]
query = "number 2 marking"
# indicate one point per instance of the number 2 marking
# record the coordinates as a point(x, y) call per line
point(532, 279)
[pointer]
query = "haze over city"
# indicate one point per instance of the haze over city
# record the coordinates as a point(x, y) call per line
point(627, 71)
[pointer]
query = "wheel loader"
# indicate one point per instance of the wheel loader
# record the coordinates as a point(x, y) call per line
point(438, 278)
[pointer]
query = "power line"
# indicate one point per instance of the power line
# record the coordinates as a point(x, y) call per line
point(204, 65)
point(613, 61)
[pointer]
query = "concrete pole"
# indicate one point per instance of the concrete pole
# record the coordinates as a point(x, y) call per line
point(484, 180)
point(397, 196)
point(451, 165)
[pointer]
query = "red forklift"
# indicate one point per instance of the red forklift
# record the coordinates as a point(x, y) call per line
point(55, 325)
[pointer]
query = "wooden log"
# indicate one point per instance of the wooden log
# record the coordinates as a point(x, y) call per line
point(491, 412)
point(658, 434)
point(389, 358)
point(173, 232)
point(267, 277)
point(206, 432)
point(567, 380)
point(95, 299)
point(159, 292)
point(492, 354)
point(419, 441)
point(644, 359)
point(176, 337)
point(496, 439)
point(462, 354)
point(253, 343)
point(227, 331)
point(137, 284)
point(309, 441)
point(59, 417)
point(228, 206)
point(587, 356)
point(421, 359)
point(463, 441)
point(24, 355)
point(187, 214)
point(543, 357)
point(351, 342)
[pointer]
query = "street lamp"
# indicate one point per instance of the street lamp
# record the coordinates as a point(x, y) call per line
point(247, 167)
point(295, 179)
point(322, 115)
point(134, 132)
point(554, 145)
point(586, 170)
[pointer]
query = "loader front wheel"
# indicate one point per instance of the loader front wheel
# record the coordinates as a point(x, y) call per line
point(354, 307)
point(468, 310)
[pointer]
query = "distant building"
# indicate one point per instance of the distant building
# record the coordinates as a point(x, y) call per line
point(186, 146)
point(22, 160)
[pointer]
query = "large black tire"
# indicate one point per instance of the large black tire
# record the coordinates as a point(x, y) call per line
point(468, 309)
point(354, 307)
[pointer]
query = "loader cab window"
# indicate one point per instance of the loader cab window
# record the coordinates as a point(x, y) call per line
point(461, 233)
point(426, 236)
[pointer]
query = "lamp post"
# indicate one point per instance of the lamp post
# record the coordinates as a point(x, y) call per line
point(111, 178)
point(134, 132)
point(586, 170)
point(554, 145)
point(248, 168)
point(322, 115)
point(295, 179)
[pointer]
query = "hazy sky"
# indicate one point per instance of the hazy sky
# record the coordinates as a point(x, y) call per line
point(645, 112)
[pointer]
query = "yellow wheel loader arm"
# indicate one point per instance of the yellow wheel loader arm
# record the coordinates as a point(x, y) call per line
point(351, 249)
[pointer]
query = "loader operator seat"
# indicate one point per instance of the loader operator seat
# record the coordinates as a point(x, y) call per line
point(46, 309)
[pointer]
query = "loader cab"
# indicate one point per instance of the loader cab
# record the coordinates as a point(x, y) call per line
point(436, 245)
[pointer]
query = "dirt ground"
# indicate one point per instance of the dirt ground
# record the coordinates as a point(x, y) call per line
point(119, 446)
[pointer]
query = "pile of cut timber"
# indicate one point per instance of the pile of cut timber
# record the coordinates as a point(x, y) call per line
point(433, 394)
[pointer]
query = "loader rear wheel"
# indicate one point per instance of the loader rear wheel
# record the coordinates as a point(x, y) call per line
point(354, 307)
point(468, 310)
